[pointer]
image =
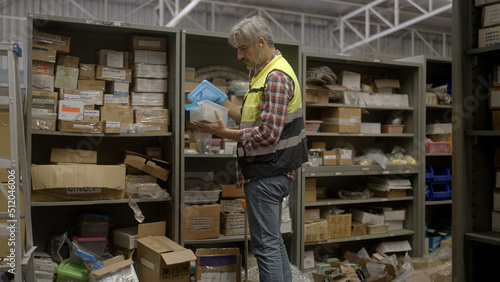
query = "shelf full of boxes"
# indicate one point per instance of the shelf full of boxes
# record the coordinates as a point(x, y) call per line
point(361, 184)
point(102, 111)
point(475, 135)
point(208, 161)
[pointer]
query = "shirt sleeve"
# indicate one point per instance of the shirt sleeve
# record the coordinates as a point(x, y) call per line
point(277, 94)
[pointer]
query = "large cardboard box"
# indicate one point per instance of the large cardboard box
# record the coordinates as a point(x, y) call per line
point(77, 182)
point(159, 258)
point(316, 231)
point(339, 226)
point(218, 264)
point(62, 155)
point(154, 167)
point(60, 43)
point(341, 120)
point(201, 221)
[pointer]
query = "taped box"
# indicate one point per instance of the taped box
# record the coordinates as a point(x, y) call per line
point(201, 221)
point(232, 223)
point(218, 264)
point(316, 231)
point(339, 226)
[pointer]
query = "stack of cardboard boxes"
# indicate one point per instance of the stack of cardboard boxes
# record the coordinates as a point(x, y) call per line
point(489, 33)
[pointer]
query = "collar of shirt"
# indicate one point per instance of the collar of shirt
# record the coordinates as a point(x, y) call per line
point(276, 53)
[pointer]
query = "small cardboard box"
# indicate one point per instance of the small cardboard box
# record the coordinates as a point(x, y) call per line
point(126, 237)
point(60, 43)
point(231, 191)
point(358, 228)
point(111, 100)
point(66, 77)
point(92, 97)
point(316, 231)
point(351, 80)
point(490, 16)
point(117, 87)
point(87, 72)
point(310, 193)
point(489, 36)
point(231, 205)
point(218, 264)
point(42, 82)
point(80, 126)
point(60, 155)
point(98, 85)
point(44, 100)
point(43, 53)
point(321, 192)
point(232, 223)
point(339, 226)
point(311, 215)
point(122, 115)
point(148, 57)
point(70, 110)
point(365, 217)
point(155, 167)
point(111, 126)
point(147, 43)
point(40, 67)
point(201, 221)
point(150, 85)
point(112, 74)
point(329, 157)
point(148, 99)
point(344, 156)
point(341, 120)
point(159, 258)
point(150, 71)
point(67, 61)
point(316, 94)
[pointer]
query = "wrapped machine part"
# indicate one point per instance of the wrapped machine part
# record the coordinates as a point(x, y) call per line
point(321, 75)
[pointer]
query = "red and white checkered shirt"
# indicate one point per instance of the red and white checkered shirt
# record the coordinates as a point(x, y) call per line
point(277, 94)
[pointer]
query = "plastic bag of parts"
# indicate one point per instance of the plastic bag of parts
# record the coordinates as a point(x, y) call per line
point(134, 128)
point(203, 142)
point(59, 247)
point(297, 275)
point(146, 190)
point(326, 211)
point(395, 118)
point(376, 155)
point(237, 87)
point(444, 97)
point(397, 157)
point(355, 195)
point(321, 75)
point(137, 211)
point(440, 254)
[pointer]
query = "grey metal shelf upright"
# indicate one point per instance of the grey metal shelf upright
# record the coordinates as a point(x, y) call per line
point(474, 143)
point(87, 37)
point(347, 177)
point(201, 49)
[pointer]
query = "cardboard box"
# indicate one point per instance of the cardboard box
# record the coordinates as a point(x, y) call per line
point(80, 126)
point(189, 74)
point(67, 61)
point(344, 156)
point(358, 228)
point(232, 223)
point(377, 229)
point(339, 226)
point(316, 231)
point(488, 36)
point(394, 246)
point(43, 53)
point(40, 67)
point(218, 264)
point(365, 217)
point(98, 85)
point(190, 86)
point(329, 157)
point(117, 87)
point(66, 77)
point(111, 100)
point(122, 115)
point(87, 72)
point(311, 215)
point(126, 237)
point(70, 110)
point(478, 3)
point(231, 191)
point(438, 128)
point(495, 120)
point(154, 167)
point(321, 192)
point(150, 71)
point(153, 116)
point(310, 193)
point(494, 98)
point(386, 85)
point(490, 16)
point(371, 127)
point(148, 57)
point(351, 80)
point(159, 258)
point(60, 43)
point(148, 99)
point(112, 74)
point(150, 85)
point(147, 43)
point(61, 155)
point(115, 268)
point(92, 97)
point(201, 221)
point(341, 120)
point(496, 75)
point(112, 58)
point(42, 82)
point(316, 94)
point(44, 100)
point(231, 205)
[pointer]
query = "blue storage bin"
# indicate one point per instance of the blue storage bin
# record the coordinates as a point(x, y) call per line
point(438, 191)
point(441, 174)
point(429, 173)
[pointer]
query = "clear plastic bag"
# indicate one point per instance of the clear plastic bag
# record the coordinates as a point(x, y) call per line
point(203, 142)
point(355, 195)
point(321, 75)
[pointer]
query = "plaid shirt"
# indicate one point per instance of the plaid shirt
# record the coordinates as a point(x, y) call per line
point(278, 92)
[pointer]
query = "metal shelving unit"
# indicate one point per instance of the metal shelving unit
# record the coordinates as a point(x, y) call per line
point(334, 177)
point(473, 148)
point(87, 37)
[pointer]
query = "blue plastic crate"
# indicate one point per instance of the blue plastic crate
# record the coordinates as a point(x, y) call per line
point(441, 173)
point(438, 191)
point(429, 173)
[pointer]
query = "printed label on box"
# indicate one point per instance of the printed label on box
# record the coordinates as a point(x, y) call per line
point(149, 43)
point(113, 73)
point(83, 190)
point(147, 263)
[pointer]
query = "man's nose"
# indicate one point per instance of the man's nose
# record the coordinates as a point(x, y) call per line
point(240, 55)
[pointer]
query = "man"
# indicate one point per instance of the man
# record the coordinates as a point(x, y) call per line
point(271, 141)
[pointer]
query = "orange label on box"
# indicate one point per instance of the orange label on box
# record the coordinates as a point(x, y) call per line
point(70, 109)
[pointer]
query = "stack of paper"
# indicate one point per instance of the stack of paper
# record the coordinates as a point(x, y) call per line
point(389, 188)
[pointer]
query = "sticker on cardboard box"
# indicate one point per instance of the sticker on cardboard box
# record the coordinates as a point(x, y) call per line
point(83, 190)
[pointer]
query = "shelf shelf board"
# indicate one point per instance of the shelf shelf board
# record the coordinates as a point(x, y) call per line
point(482, 132)
point(393, 233)
point(358, 170)
point(336, 202)
point(93, 202)
point(437, 203)
point(338, 105)
point(438, 107)
point(387, 135)
point(438, 155)
point(222, 239)
point(61, 133)
point(488, 237)
point(483, 50)
point(209, 156)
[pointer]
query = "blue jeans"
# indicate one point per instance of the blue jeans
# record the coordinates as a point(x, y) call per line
point(264, 199)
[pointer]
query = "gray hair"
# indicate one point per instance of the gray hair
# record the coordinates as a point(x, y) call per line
point(252, 28)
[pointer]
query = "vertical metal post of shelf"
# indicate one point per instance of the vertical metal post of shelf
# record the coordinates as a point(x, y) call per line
point(20, 264)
